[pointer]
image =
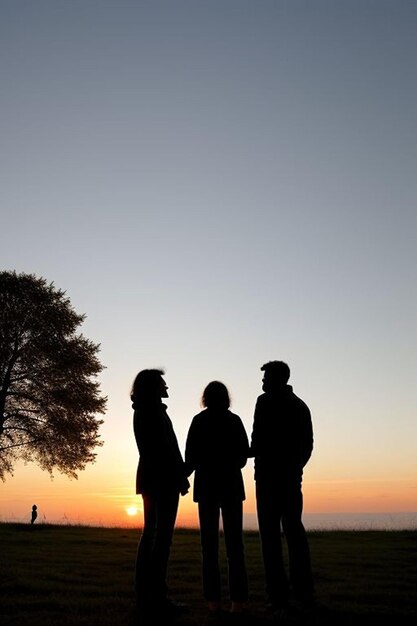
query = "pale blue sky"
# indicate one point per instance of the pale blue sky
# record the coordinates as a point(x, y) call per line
point(221, 183)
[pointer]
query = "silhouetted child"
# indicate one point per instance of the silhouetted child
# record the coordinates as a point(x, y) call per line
point(34, 513)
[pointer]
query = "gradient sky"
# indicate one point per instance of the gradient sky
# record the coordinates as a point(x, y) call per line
point(217, 184)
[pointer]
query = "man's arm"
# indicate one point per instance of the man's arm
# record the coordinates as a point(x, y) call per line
point(254, 447)
point(308, 439)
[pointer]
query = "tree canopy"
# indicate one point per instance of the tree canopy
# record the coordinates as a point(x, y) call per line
point(49, 395)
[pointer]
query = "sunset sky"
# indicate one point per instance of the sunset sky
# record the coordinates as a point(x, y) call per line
point(217, 184)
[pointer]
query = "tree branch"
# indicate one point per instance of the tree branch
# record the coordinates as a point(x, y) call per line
point(25, 430)
point(16, 445)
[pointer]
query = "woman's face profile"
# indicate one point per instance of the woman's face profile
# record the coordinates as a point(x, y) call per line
point(164, 389)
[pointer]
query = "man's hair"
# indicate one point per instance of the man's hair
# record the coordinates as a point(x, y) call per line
point(147, 385)
point(277, 371)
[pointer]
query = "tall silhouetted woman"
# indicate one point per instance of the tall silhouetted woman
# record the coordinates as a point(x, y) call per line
point(216, 449)
point(160, 479)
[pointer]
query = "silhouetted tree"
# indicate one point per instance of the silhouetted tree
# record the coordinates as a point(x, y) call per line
point(49, 398)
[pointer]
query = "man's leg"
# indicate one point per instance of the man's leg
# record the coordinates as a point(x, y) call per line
point(298, 549)
point(269, 519)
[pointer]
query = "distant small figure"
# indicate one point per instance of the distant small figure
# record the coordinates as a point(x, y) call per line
point(34, 514)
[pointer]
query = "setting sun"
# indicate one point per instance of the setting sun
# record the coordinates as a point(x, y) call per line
point(132, 510)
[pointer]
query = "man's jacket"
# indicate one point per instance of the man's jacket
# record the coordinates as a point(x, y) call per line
point(282, 436)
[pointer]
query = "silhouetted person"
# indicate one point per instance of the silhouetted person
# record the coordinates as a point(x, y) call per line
point(282, 443)
point(161, 477)
point(217, 448)
point(34, 514)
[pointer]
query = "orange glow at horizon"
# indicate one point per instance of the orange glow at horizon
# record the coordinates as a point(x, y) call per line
point(360, 496)
point(104, 498)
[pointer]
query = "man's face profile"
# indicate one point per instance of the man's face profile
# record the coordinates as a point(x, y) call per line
point(266, 383)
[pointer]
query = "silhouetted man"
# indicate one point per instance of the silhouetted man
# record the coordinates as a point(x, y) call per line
point(282, 443)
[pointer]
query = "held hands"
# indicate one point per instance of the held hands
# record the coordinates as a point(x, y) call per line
point(185, 486)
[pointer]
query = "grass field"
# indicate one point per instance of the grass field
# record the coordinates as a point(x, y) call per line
point(83, 576)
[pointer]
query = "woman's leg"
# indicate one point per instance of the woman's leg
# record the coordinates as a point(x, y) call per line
point(232, 513)
point(143, 566)
point(166, 508)
point(209, 515)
